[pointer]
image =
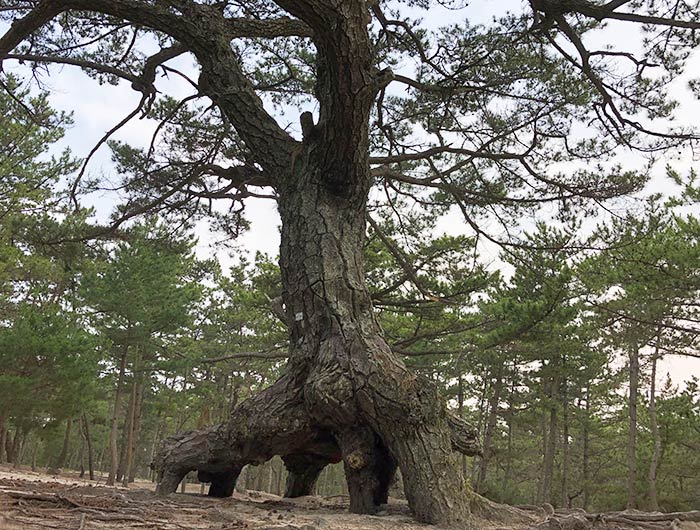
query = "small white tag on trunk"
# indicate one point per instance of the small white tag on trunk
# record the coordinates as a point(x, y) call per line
point(299, 317)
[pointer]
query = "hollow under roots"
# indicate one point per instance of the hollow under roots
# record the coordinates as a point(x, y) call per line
point(276, 422)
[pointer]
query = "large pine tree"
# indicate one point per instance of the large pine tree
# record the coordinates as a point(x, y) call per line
point(476, 121)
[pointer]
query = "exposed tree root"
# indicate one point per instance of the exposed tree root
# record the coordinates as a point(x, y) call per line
point(276, 422)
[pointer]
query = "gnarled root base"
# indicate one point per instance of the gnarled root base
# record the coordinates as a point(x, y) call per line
point(275, 422)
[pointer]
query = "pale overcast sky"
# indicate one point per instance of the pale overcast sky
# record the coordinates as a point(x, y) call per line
point(97, 109)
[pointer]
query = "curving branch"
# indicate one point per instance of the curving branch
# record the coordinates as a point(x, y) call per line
point(204, 31)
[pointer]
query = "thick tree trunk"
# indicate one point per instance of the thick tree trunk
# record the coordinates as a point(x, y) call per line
point(344, 394)
point(354, 386)
point(632, 439)
point(653, 466)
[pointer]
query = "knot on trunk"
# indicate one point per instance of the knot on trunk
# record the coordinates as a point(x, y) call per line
point(356, 460)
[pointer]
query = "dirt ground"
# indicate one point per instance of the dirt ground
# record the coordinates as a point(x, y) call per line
point(37, 501)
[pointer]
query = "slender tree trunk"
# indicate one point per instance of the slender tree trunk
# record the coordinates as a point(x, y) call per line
point(653, 466)
point(129, 435)
point(586, 451)
point(136, 438)
point(113, 449)
point(491, 422)
point(481, 425)
point(81, 458)
point(160, 425)
point(565, 499)
point(543, 429)
point(126, 430)
point(35, 450)
point(133, 419)
point(509, 450)
point(632, 439)
point(88, 442)
point(101, 461)
point(460, 411)
point(12, 446)
point(20, 446)
point(548, 465)
point(60, 460)
point(3, 437)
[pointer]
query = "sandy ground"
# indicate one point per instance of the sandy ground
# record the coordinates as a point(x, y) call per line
point(37, 501)
point(33, 501)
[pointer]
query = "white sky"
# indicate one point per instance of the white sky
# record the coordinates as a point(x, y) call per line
point(97, 109)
